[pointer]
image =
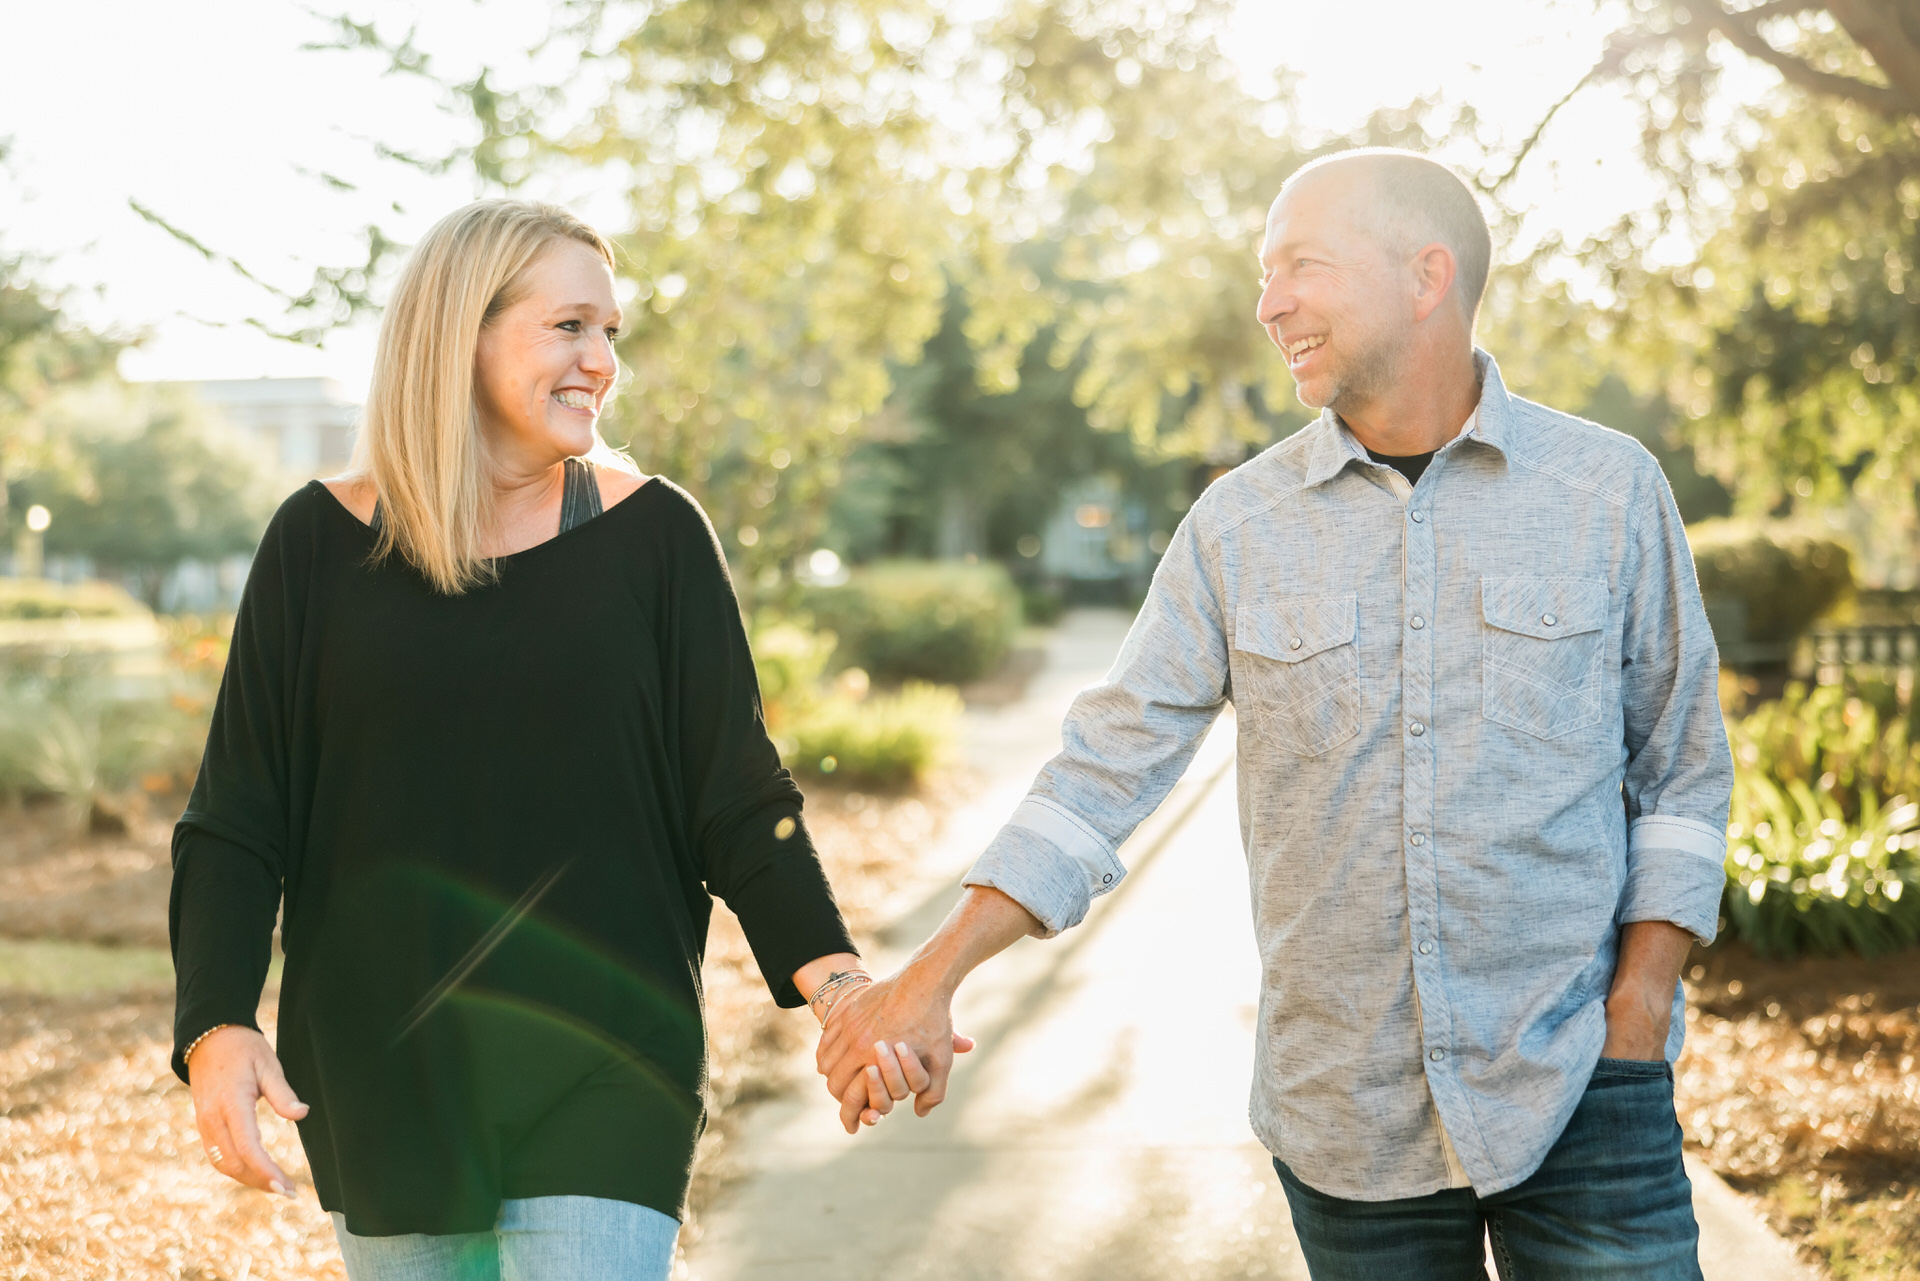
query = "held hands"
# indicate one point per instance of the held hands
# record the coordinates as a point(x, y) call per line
point(231, 1069)
point(893, 1038)
point(885, 1041)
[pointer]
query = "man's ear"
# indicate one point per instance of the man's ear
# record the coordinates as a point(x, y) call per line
point(1433, 274)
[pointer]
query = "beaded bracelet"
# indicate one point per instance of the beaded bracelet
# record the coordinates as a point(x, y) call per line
point(195, 1043)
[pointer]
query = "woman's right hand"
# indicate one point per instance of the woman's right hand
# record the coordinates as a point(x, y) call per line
point(230, 1071)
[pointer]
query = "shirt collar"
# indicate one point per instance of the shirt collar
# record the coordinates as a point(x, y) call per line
point(1490, 424)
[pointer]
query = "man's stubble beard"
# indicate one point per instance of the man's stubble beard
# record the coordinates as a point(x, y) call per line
point(1363, 378)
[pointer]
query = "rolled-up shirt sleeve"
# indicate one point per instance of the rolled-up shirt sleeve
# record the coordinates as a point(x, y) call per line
point(1679, 775)
point(1125, 743)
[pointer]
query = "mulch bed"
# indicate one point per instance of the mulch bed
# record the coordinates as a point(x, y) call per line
point(1798, 1085)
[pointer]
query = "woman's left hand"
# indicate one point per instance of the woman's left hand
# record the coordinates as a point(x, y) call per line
point(229, 1072)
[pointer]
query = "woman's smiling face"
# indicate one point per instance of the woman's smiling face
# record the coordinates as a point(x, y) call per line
point(545, 365)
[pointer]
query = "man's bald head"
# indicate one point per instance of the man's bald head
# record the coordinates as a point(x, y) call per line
point(1412, 201)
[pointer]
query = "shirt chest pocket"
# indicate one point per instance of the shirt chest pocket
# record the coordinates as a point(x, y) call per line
point(1296, 670)
point(1543, 646)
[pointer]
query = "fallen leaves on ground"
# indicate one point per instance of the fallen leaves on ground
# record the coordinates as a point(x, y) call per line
point(1798, 1085)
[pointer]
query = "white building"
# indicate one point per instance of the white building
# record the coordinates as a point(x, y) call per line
point(305, 425)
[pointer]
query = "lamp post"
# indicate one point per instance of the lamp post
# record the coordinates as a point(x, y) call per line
point(29, 547)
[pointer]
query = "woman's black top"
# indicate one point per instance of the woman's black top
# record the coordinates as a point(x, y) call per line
point(494, 820)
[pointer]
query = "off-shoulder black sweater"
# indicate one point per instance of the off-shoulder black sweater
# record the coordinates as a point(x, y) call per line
point(494, 821)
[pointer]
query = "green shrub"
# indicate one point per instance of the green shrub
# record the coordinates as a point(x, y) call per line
point(76, 729)
point(884, 740)
point(940, 621)
point(1817, 860)
point(1849, 742)
point(38, 598)
point(1800, 878)
point(789, 660)
point(1041, 606)
point(837, 728)
point(1781, 575)
point(68, 738)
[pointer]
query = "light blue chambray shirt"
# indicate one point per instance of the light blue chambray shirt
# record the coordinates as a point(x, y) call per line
point(1479, 731)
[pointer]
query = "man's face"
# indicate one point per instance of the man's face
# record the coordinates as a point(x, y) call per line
point(1336, 303)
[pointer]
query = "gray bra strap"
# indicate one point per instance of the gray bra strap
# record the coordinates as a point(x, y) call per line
point(579, 498)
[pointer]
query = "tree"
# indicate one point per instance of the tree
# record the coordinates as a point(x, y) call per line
point(1789, 338)
point(948, 455)
point(155, 484)
point(803, 180)
point(1880, 72)
point(42, 352)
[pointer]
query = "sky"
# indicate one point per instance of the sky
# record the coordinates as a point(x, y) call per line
point(213, 115)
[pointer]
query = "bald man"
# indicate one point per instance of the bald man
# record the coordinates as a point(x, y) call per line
point(1483, 779)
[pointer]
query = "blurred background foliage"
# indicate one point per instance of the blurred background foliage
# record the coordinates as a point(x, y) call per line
point(898, 271)
point(949, 622)
point(1824, 839)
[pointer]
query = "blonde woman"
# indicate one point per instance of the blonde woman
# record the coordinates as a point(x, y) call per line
point(489, 736)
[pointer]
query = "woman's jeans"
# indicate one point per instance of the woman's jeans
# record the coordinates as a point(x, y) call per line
point(1610, 1201)
point(542, 1238)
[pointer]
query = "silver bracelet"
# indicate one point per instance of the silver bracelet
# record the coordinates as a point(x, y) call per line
point(838, 981)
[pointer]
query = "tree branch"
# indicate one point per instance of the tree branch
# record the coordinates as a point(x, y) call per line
point(1877, 28)
point(1741, 31)
point(1618, 47)
point(1607, 64)
point(1776, 9)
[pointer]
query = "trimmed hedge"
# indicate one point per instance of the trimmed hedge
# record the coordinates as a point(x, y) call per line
point(1783, 574)
point(942, 621)
point(839, 730)
point(884, 740)
point(38, 598)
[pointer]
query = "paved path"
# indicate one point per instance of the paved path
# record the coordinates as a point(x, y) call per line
point(1100, 1130)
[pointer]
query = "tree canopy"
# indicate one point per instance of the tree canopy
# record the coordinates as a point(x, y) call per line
point(42, 353)
point(1788, 339)
point(151, 482)
point(803, 182)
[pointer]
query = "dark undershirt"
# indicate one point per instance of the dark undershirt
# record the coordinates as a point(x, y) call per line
point(1408, 465)
point(495, 821)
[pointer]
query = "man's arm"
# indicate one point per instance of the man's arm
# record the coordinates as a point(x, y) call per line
point(914, 1008)
point(1125, 743)
point(1679, 779)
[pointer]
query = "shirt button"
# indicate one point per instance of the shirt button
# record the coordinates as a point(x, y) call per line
point(1548, 619)
point(1416, 729)
point(1294, 643)
point(1416, 517)
point(1416, 622)
point(1426, 947)
point(1417, 839)
point(1436, 1055)
point(1107, 879)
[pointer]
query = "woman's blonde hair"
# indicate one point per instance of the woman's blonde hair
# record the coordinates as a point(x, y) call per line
point(420, 444)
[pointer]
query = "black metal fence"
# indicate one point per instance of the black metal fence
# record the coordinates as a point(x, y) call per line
point(1830, 652)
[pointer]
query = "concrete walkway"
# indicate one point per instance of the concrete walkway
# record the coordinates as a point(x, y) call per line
point(1100, 1129)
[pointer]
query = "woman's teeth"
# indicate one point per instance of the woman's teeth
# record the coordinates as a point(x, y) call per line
point(574, 399)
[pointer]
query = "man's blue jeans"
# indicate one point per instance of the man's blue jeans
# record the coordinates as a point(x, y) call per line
point(542, 1238)
point(1610, 1201)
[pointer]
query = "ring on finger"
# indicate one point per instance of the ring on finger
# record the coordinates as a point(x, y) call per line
point(215, 1155)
